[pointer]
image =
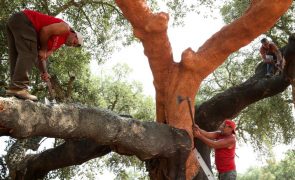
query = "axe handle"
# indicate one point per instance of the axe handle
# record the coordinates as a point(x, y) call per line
point(43, 69)
point(50, 90)
point(190, 110)
point(42, 65)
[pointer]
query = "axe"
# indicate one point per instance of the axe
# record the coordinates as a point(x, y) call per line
point(204, 166)
point(51, 101)
point(180, 99)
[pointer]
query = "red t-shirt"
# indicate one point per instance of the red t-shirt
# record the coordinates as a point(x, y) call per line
point(40, 20)
point(225, 157)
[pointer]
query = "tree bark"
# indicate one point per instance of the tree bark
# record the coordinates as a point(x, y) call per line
point(146, 140)
point(168, 149)
point(231, 102)
point(72, 152)
point(183, 79)
point(228, 104)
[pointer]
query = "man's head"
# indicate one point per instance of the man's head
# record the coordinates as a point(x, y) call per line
point(265, 42)
point(228, 127)
point(75, 39)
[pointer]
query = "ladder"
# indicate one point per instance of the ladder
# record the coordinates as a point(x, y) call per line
point(204, 165)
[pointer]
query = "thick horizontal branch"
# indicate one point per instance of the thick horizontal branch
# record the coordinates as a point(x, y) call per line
point(73, 152)
point(232, 101)
point(146, 140)
point(210, 114)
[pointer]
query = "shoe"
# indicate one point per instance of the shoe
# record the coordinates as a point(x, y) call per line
point(268, 75)
point(22, 94)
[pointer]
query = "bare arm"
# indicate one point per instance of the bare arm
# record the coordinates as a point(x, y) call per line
point(210, 135)
point(262, 53)
point(222, 143)
point(42, 66)
point(278, 54)
point(48, 31)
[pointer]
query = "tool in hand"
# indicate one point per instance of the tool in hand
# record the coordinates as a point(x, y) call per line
point(180, 99)
point(198, 155)
point(51, 101)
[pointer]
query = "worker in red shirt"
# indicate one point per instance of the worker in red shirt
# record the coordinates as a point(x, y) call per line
point(271, 56)
point(224, 143)
point(32, 37)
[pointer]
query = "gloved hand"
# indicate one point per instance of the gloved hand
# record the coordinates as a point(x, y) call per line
point(45, 77)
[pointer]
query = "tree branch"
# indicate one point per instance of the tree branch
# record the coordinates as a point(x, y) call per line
point(239, 33)
point(254, 89)
point(146, 140)
point(235, 99)
point(72, 152)
point(151, 29)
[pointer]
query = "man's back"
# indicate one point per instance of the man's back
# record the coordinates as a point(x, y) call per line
point(40, 20)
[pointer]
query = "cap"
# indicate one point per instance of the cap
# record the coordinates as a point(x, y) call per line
point(80, 38)
point(231, 123)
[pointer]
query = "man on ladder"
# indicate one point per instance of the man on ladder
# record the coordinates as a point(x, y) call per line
point(224, 143)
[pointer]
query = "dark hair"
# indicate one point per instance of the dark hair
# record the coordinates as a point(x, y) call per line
point(72, 30)
point(264, 40)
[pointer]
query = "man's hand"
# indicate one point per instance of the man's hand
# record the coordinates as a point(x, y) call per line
point(196, 131)
point(268, 61)
point(195, 126)
point(45, 77)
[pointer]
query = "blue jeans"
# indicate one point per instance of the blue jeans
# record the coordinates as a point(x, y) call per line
point(230, 175)
point(269, 68)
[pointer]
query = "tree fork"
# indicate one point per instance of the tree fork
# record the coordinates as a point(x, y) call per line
point(173, 79)
point(274, 86)
point(193, 68)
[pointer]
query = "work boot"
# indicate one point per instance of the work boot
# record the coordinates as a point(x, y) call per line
point(21, 93)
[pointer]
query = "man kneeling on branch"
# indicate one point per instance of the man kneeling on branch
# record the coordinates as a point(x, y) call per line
point(271, 56)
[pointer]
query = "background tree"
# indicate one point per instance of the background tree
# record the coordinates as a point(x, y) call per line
point(283, 169)
point(277, 114)
point(110, 90)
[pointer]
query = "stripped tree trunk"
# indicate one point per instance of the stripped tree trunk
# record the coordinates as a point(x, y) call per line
point(166, 148)
point(173, 79)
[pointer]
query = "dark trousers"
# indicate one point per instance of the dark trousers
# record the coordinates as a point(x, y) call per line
point(22, 49)
point(231, 175)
